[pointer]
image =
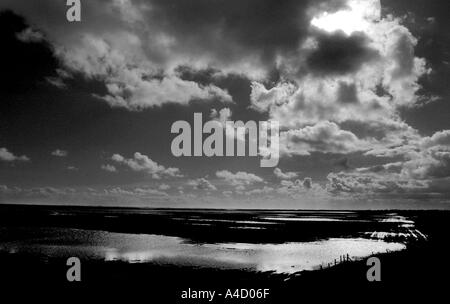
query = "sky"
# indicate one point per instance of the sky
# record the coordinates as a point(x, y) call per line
point(359, 88)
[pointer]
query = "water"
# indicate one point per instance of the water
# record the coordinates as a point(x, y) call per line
point(109, 246)
point(267, 241)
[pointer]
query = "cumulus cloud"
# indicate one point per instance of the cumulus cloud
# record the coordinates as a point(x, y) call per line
point(264, 99)
point(423, 164)
point(30, 35)
point(134, 196)
point(222, 115)
point(34, 191)
point(429, 158)
point(239, 178)
point(149, 192)
point(117, 52)
point(137, 47)
point(367, 183)
point(109, 168)
point(324, 137)
point(440, 139)
point(202, 184)
point(343, 89)
point(284, 175)
point(142, 163)
point(59, 153)
point(138, 192)
point(266, 190)
point(164, 187)
point(424, 157)
point(131, 81)
point(299, 186)
point(57, 82)
point(8, 156)
point(344, 74)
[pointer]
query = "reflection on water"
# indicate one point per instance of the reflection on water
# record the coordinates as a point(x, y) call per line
point(406, 229)
point(303, 219)
point(281, 258)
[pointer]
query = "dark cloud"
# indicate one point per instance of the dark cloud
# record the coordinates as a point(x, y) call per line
point(342, 163)
point(404, 56)
point(337, 53)
point(347, 93)
point(307, 183)
point(231, 30)
point(36, 57)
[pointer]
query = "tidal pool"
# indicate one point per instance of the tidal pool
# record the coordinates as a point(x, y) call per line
point(284, 258)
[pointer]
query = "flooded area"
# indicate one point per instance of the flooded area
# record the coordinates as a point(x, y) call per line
point(278, 258)
point(289, 254)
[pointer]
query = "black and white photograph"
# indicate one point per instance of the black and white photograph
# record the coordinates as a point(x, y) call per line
point(225, 151)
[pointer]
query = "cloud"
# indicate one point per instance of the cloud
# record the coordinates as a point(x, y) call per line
point(263, 99)
point(432, 163)
point(239, 178)
point(372, 183)
point(134, 196)
point(60, 153)
point(137, 194)
point(35, 192)
point(223, 115)
point(7, 156)
point(136, 47)
point(164, 187)
point(325, 137)
point(441, 138)
point(340, 54)
point(30, 36)
point(227, 193)
point(5, 190)
point(108, 47)
point(202, 184)
point(266, 190)
point(109, 168)
point(343, 90)
point(284, 175)
point(298, 184)
point(230, 36)
point(429, 157)
point(337, 75)
point(57, 82)
point(293, 188)
point(149, 192)
point(424, 165)
point(132, 82)
point(142, 163)
point(355, 16)
point(423, 158)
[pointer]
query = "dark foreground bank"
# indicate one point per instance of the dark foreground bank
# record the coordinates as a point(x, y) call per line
point(419, 270)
